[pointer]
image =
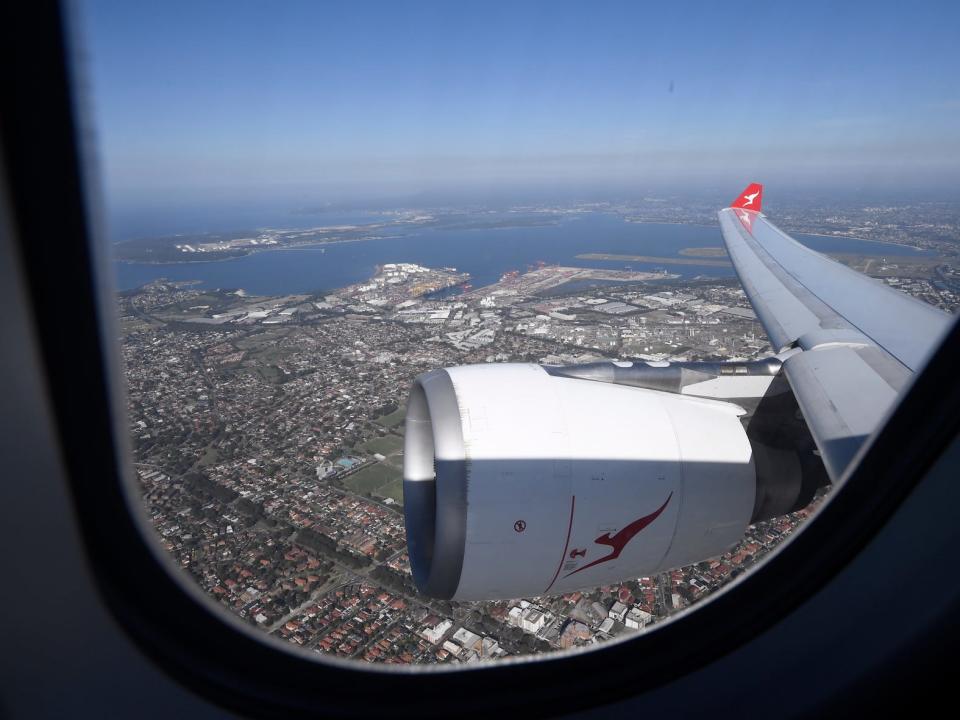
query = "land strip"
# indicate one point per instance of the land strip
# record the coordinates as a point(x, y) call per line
point(653, 259)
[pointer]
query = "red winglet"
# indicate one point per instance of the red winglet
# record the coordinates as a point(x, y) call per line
point(750, 198)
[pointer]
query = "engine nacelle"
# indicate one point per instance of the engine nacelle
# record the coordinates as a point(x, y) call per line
point(519, 483)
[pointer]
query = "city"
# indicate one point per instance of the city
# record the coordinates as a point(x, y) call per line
point(268, 439)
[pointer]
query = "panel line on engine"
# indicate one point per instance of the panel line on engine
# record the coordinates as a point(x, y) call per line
point(563, 555)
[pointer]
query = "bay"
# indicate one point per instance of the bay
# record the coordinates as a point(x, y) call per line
point(485, 253)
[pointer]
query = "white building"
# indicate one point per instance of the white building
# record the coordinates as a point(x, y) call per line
point(467, 639)
point(637, 618)
point(618, 612)
point(433, 635)
point(533, 620)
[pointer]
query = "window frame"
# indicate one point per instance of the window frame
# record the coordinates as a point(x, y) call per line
point(46, 154)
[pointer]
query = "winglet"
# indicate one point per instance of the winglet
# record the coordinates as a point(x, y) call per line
point(750, 198)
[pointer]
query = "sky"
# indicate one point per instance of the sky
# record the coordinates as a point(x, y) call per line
point(206, 102)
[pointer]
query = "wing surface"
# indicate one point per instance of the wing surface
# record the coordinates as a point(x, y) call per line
point(853, 342)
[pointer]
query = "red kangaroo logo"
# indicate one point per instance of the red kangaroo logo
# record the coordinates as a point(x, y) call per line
point(619, 541)
point(577, 553)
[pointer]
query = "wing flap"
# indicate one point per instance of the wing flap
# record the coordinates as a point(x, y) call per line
point(842, 399)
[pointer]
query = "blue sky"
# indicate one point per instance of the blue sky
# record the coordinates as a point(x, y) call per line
point(201, 101)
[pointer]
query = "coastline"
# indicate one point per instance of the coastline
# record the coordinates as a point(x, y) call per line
point(257, 251)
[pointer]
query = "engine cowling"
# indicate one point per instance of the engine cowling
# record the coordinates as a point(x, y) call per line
point(520, 483)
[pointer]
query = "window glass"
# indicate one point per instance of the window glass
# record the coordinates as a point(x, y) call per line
point(309, 205)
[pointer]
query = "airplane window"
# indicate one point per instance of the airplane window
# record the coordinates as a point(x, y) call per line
point(313, 210)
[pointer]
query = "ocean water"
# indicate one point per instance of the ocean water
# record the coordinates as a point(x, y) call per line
point(484, 253)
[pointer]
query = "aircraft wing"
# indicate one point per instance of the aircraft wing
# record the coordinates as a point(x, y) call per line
point(856, 341)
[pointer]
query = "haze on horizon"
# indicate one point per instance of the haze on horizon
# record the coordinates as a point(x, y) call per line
point(306, 104)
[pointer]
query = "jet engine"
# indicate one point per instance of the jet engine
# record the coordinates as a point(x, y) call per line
point(523, 482)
